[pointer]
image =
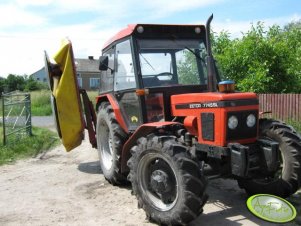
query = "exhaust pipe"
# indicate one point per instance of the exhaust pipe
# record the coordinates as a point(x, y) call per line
point(210, 61)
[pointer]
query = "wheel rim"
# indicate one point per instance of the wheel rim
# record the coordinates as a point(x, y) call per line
point(106, 146)
point(158, 181)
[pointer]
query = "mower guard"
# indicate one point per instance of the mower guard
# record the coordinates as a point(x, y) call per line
point(66, 103)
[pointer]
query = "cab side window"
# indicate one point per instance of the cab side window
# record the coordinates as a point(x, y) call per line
point(124, 73)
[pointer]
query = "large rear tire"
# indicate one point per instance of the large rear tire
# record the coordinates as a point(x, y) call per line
point(110, 139)
point(168, 184)
point(287, 180)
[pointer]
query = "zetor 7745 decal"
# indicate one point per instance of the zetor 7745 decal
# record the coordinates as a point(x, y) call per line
point(167, 123)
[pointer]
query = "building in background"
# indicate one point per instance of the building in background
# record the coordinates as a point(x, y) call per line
point(88, 74)
point(40, 75)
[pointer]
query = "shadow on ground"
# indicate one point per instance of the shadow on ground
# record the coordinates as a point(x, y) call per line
point(226, 204)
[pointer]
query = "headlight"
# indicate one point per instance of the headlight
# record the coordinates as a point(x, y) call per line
point(232, 122)
point(251, 120)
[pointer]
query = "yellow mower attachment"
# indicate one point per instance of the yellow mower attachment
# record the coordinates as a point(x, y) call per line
point(65, 96)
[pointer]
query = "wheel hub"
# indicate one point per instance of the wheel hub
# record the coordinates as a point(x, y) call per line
point(160, 182)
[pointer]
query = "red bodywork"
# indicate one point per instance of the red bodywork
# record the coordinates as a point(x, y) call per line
point(192, 121)
point(121, 34)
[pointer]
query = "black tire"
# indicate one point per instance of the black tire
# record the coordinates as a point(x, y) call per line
point(168, 184)
point(110, 139)
point(287, 180)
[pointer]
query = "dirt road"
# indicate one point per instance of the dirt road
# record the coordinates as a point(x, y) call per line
point(59, 188)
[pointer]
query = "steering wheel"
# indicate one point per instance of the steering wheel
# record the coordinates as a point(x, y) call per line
point(167, 74)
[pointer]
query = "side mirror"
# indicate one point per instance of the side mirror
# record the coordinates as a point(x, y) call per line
point(103, 63)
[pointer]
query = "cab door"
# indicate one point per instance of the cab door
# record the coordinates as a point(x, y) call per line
point(125, 84)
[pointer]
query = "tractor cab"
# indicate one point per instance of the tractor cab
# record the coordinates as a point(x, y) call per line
point(144, 65)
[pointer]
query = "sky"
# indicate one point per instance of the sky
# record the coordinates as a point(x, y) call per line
point(29, 27)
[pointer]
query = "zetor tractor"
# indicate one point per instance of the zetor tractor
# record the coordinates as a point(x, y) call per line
point(167, 124)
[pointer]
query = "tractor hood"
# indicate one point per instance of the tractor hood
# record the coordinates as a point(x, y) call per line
point(206, 116)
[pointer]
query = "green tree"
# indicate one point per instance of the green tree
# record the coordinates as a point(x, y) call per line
point(31, 84)
point(187, 70)
point(262, 61)
point(15, 82)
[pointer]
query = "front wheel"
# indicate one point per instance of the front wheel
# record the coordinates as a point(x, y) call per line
point(168, 184)
point(110, 138)
point(287, 179)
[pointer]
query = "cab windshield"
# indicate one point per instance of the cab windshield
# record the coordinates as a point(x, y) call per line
point(172, 62)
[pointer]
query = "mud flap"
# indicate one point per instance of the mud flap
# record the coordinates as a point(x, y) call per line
point(66, 103)
point(264, 156)
point(271, 154)
point(239, 162)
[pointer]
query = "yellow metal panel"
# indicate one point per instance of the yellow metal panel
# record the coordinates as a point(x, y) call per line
point(66, 92)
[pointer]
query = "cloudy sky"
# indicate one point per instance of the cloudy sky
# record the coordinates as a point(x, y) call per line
point(28, 27)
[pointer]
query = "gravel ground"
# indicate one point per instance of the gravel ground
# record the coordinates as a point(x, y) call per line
point(59, 188)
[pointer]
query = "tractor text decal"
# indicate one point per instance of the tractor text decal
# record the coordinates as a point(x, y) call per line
point(227, 103)
point(203, 105)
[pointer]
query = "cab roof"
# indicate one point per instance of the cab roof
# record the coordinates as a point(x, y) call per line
point(154, 29)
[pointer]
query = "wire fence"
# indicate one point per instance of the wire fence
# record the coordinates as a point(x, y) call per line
point(16, 116)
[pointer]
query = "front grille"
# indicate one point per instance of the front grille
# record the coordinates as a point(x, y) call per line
point(207, 120)
point(242, 131)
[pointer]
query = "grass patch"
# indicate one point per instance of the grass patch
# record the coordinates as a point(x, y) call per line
point(40, 103)
point(42, 140)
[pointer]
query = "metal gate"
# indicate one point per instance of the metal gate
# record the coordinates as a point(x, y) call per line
point(16, 116)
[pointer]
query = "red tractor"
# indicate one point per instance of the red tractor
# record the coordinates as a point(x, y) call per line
point(167, 123)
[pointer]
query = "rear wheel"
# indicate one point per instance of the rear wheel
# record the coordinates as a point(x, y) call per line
point(287, 179)
point(110, 138)
point(168, 184)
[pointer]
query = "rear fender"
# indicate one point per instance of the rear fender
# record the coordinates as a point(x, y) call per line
point(113, 102)
point(142, 131)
